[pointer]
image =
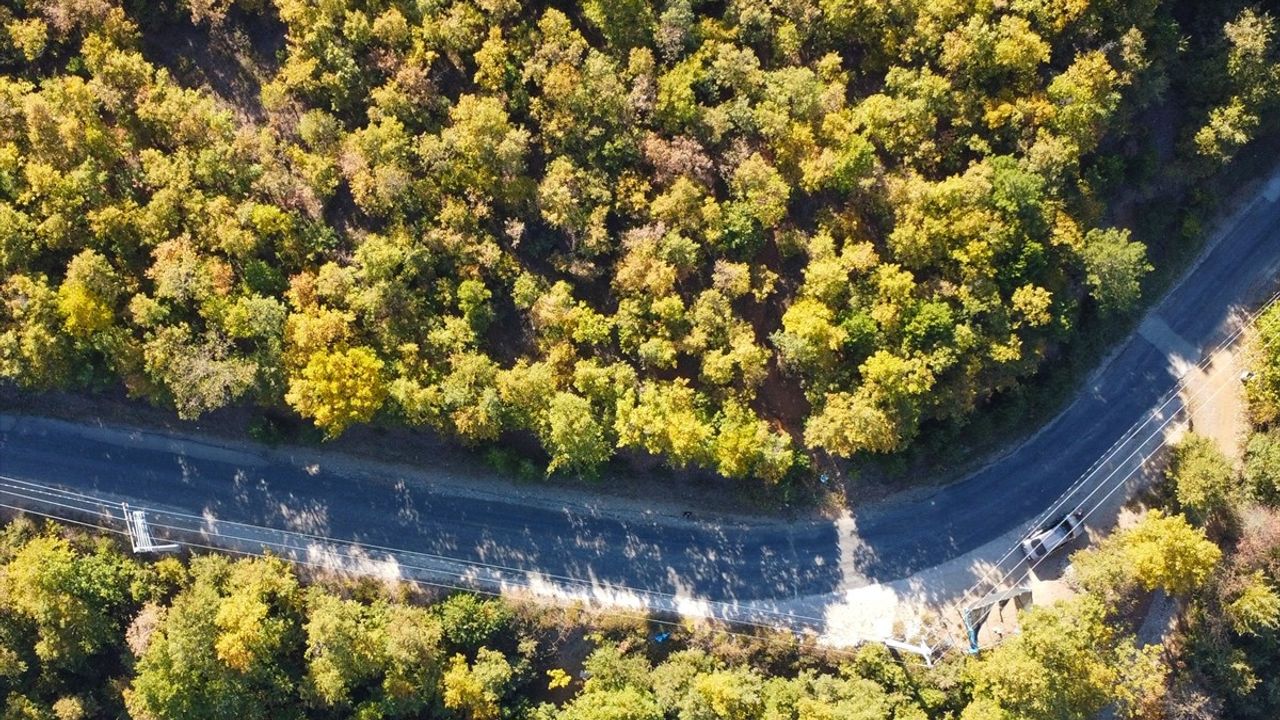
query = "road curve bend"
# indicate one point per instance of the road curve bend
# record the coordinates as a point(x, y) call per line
point(738, 564)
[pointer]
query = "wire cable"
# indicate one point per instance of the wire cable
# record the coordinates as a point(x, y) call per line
point(719, 610)
point(40, 493)
point(1129, 435)
point(415, 580)
point(1030, 566)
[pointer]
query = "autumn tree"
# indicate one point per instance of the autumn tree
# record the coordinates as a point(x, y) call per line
point(339, 389)
point(88, 294)
point(575, 435)
point(182, 672)
point(1203, 479)
point(1067, 662)
point(475, 689)
point(615, 226)
point(746, 446)
point(372, 658)
point(34, 351)
point(1161, 551)
point(667, 419)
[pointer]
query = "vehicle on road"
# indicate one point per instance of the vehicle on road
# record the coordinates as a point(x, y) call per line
point(1052, 535)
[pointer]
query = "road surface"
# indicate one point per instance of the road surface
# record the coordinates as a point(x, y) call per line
point(736, 563)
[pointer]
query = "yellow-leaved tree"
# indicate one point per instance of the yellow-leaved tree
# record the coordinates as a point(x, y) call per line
point(339, 388)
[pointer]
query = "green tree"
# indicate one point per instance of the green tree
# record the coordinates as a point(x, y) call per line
point(611, 667)
point(384, 660)
point(1114, 267)
point(345, 646)
point(480, 150)
point(414, 661)
point(1251, 39)
point(1262, 467)
point(469, 397)
point(626, 703)
point(625, 24)
point(1068, 662)
point(575, 436)
point(469, 623)
point(1204, 481)
point(72, 599)
point(1228, 128)
point(1251, 73)
point(377, 167)
point(675, 30)
point(199, 376)
point(880, 416)
point(1255, 608)
point(575, 200)
point(761, 189)
point(1262, 391)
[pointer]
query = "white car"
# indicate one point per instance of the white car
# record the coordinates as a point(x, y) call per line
point(1052, 535)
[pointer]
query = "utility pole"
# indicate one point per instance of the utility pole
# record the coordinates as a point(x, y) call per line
point(140, 532)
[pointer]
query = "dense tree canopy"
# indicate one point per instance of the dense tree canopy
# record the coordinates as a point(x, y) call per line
point(1068, 662)
point(724, 234)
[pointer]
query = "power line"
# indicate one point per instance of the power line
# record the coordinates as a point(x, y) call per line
point(415, 580)
point(501, 576)
point(1111, 492)
point(724, 608)
point(1133, 431)
point(41, 493)
point(1171, 395)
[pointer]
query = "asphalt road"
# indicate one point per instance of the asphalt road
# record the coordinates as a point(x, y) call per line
point(707, 559)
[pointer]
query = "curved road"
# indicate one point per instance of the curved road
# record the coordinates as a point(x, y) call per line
point(737, 563)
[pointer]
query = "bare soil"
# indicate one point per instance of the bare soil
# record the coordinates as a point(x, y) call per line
point(232, 60)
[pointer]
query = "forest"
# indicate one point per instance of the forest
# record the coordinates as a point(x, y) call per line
point(731, 236)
